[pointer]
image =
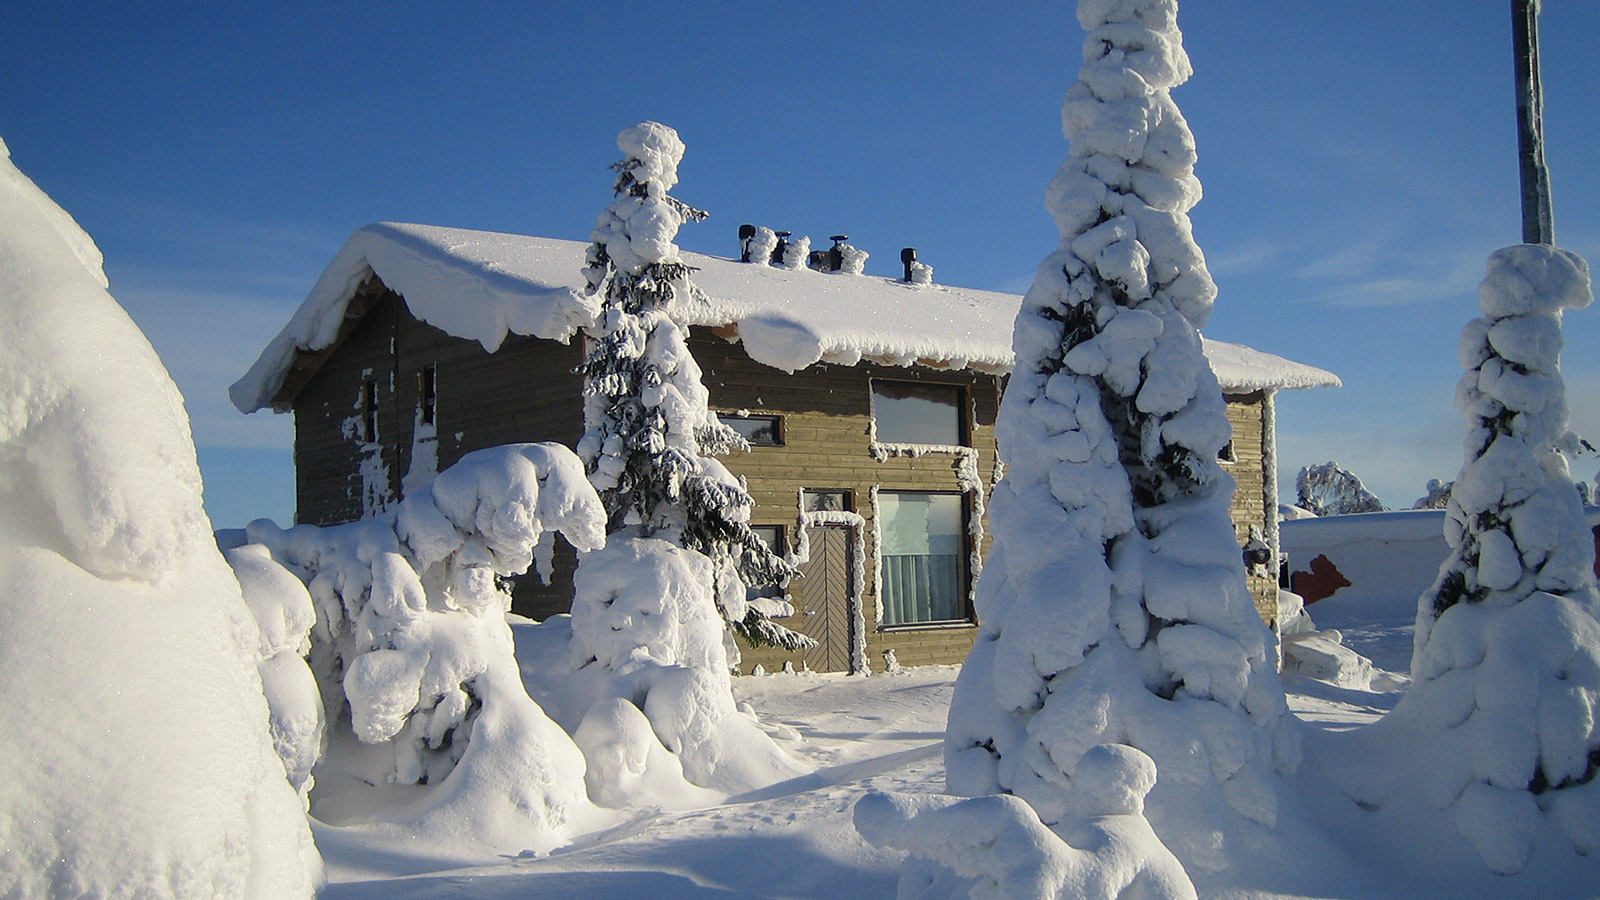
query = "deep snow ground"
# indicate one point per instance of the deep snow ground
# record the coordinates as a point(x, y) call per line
point(796, 839)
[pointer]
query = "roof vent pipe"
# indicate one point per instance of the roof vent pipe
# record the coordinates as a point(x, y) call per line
point(746, 232)
point(836, 252)
point(907, 257)
point(779, 251)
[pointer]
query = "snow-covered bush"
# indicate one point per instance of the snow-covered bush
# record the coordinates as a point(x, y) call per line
point(137, 755)
point(1113, 603)
point(1328, 490)
point(1506, 667)
point(681, 558)
point(995, 847)
point(415, 658)
point(284, 615)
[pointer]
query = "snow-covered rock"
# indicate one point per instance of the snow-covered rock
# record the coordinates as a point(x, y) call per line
point(137, 755)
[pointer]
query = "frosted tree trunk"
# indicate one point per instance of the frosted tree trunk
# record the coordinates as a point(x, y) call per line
point(1114, 603)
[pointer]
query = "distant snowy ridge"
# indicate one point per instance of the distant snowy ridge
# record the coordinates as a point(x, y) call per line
point(482, 285)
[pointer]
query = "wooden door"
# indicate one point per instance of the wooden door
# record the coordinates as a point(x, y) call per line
point(822, 598)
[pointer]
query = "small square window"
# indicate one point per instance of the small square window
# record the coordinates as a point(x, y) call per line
point(1226, 454)
point(758, 431)
point(910, 413)
point(771, 535)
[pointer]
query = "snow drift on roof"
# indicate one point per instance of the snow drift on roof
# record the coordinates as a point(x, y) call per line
point(483, 285)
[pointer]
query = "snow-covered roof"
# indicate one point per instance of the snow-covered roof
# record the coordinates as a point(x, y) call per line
point(483, 285)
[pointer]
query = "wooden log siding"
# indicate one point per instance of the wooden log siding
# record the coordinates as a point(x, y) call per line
point(827, 431)
point(1251, 504)
point(527, 391)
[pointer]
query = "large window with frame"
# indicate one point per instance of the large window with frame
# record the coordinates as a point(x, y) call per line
point(923, 556)
point(905, 412)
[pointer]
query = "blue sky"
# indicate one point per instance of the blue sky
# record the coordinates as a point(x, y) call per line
point(1358, 159)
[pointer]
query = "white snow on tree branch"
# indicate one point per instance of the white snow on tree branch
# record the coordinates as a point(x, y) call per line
point(137, 755)
point(1326, 489)
point(1506, 668)
point(411, 636)
point(1113, 604)
point(650, 609)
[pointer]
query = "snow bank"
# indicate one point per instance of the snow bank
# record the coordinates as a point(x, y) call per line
point(136, 754)
point(1113, 602)
point(998, 847)
point(416, 662)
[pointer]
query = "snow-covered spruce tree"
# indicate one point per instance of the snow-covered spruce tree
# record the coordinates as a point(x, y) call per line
point(1113, 603)
point(1437, 497)
point(1329, 490)
point(649, 432)
point(415, 660)
point(652, 610)
point(1506, 665)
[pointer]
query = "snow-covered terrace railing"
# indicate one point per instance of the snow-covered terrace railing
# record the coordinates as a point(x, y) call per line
point(482, 285)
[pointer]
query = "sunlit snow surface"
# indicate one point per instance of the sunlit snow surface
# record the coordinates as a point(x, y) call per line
point(884, 733)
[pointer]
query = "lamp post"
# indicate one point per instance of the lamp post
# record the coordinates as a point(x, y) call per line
point(1538, 221)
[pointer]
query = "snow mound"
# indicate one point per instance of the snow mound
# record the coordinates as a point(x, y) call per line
point(141, 766)
point(414, 655)
point(996, 847)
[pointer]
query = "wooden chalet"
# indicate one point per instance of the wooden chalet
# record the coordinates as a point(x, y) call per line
point(869, 405)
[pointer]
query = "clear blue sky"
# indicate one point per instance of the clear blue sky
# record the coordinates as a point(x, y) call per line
point(1358, 159)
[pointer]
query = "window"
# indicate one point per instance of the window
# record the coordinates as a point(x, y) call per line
point(923, 555)
point(1226, 454)
point(907, 413)
point(427, 394)
point(758, 431)
point(771, 535)
point(827, 501)
point(369, 411)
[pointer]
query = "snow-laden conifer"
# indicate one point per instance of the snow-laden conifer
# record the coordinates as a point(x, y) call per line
point(652, 608)
point(414, 657)
point(1328, 489)
point(1506, 665)
point(649, 431)
point(1113, 603)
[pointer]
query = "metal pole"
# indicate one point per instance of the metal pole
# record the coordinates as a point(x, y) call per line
point(1538, 221)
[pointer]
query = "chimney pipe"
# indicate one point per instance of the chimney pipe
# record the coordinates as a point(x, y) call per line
point(836, 252)
point(746, 232)
point(907, 257)
point(779, 251)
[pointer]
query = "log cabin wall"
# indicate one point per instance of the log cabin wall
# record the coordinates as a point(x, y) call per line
point(527, 391)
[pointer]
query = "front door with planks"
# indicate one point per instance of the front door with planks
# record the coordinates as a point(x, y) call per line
point(822, 597)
